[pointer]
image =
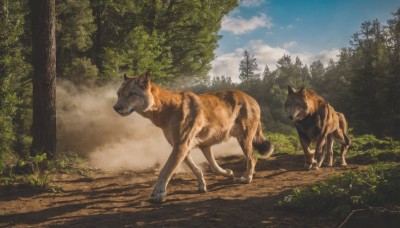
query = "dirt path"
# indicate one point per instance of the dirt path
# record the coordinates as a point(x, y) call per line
point(123, 199)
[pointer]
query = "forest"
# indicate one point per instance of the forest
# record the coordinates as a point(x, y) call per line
point(98, 41)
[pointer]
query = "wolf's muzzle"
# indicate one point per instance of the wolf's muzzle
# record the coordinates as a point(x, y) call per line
point(117, 108)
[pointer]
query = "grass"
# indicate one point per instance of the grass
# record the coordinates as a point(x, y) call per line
point(376, 185)
point(284, 144)
point(37, 172)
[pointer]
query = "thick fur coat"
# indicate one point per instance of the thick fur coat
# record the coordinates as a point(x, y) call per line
point(189, 120)
point(317, 121)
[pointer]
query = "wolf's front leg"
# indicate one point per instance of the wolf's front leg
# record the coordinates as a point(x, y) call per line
point(320, 149)
point(308, 155)
point(160, 189)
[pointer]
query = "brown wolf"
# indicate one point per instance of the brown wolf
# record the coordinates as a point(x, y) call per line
point(189, 120)
point(317, 121)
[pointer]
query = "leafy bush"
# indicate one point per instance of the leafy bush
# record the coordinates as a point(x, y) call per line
point(367, 142)
point(367, 149)
point(284, 143)
point(37, 171)
point(31, 168)
point(378, 184)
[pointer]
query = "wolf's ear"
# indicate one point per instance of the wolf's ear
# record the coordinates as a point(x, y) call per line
point(290, 90)
point(125, 77)
point(144, 80)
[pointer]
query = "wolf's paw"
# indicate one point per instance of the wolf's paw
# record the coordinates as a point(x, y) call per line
point(343, 164)
point(202, 189)
point(308, 166)
point(158, 197)
point(229, 173)
point(315, 167)
point(244, 180)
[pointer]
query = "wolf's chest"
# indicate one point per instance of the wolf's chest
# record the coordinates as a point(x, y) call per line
point(311, 126)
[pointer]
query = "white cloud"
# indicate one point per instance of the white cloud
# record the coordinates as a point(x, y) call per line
point(239, 25)
point(326, 55)
point(251, 3)
point(289, 44)
point(228, 64)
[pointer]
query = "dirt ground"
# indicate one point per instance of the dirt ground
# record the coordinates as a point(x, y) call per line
point(122, 199)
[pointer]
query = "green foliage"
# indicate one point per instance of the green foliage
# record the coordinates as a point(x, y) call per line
point(377, 185)
point(82, 71)
point(75, 26)
point(365, 142)
point(33, 173)
point(367, 149)
point(67, 162)
point(287, 144)
point(166, 37)
point(13, 69)
point(141, 52)
point(37, 172)
point(40, 177)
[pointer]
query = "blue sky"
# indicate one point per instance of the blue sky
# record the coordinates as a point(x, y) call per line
point(310, 29)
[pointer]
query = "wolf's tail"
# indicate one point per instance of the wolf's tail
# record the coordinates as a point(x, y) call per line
point(262, 146)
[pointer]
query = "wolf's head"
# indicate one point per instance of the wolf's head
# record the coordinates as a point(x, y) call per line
point(134, 95)
point(296, 105)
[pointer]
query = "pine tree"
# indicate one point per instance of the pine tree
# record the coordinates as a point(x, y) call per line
point(317, 71)
point(247, 68)
point(370, 71)
point(267, 75)
point(44, 79)
point(75, 26)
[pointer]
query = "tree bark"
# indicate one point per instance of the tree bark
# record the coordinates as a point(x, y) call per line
point(98, 12)
point(44, 77)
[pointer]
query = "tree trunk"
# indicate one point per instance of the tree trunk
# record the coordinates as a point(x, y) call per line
point(44, 77)
point(98, 11)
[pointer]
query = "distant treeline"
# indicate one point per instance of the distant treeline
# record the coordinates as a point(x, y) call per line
point(364, 83)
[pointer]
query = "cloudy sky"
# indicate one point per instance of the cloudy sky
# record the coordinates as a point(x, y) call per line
point(310, 29)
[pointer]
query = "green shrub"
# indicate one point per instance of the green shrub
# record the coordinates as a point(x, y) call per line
point(367, 142)
point(284, 143)
point(378, 184)
point(37, 171)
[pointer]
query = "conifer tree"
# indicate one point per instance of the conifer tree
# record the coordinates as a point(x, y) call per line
point(247, 68)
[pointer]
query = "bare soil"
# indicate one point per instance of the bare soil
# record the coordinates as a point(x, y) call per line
point(122, 199)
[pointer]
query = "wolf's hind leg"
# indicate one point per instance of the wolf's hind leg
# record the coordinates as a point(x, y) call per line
point(345, 141)
point(214, 165)
point(199, 175)
point(247, 147)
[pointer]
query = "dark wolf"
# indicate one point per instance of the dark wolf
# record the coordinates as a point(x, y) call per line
point(317, 121)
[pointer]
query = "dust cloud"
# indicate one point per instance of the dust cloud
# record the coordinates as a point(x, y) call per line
point(88, 125)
